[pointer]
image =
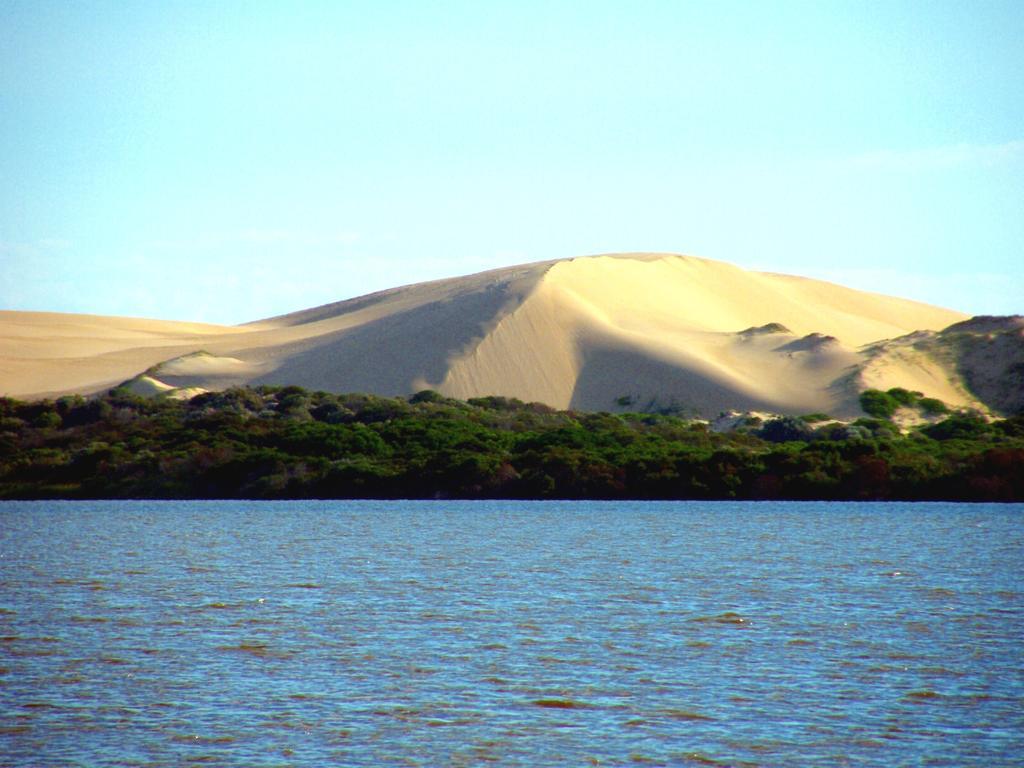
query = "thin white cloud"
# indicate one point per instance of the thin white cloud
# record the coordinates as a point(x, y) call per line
point(55, 243)
point(940, 158)
point(289, 238)
point(42, 246)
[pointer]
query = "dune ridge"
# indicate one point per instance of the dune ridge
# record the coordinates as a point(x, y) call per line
point(601, 332)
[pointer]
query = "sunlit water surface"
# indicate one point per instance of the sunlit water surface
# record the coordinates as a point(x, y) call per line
point(532, 634)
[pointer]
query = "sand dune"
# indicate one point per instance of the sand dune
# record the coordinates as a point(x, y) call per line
point(978, 363)
point(596, 333)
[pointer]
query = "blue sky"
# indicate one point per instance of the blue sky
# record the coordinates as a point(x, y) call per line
point(231, 161)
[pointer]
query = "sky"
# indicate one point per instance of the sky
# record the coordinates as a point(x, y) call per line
point(226, 162)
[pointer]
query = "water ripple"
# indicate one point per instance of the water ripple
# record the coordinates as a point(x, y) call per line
point(521, 634)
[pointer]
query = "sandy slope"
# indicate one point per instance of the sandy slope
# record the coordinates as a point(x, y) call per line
point(666, 329)
point(986, 354)
point(47, 353)
point(649, 329)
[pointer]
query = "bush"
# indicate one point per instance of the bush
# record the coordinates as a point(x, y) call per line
point(932, 406)
point(332, 413)
point(959, 426)
point(427, 396)
point(877, 427)
point(879, 404)
point(1013, 426)
point(814, 418)
point(47, 420)
point(497, 403)
point(843, 432)
point(903, 396)
point(786, 429)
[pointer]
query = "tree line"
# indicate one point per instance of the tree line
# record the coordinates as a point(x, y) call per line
point(286, 442)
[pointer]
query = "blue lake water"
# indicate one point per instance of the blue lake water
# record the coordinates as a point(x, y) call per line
point(510, 633)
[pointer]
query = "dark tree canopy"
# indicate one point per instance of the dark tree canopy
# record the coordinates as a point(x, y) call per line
point(286, 442)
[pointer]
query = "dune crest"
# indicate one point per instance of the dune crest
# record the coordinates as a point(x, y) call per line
point(596, 333)
point(704, 336)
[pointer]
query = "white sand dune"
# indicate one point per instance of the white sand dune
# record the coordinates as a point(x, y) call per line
point(589, 333)
point(978, 363)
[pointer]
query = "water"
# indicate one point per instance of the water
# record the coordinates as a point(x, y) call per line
point(532, 634)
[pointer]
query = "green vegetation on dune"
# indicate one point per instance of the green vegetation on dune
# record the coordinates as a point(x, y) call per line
point(883, 405)
point(286, 442)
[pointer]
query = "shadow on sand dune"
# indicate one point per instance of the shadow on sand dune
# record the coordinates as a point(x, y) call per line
point(612, 372)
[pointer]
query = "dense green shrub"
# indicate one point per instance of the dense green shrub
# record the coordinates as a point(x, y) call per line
point(903, 396)
point(47, 420)
point(959, 426)
point(427, 396)
point(879, 404)
point(932, 406)
point(785, 429)
point(278, 442)
point(815, 418)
